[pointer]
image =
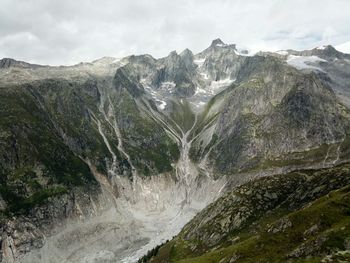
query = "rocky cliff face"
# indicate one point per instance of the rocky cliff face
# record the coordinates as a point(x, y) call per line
point(271, 118)
point(99, 153)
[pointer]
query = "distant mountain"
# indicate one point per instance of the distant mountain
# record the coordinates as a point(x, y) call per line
point(9, 62)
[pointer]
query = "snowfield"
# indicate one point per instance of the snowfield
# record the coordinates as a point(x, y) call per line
point(304, 62)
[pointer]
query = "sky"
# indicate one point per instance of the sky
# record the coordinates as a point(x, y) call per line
point(58, 32)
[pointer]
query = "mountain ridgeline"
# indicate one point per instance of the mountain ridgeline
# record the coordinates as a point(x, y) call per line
point(103, 161)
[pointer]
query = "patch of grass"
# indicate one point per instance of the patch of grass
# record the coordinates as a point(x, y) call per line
point(19, 204)
point(149, 147)
point(331, 213)
point(307, 222)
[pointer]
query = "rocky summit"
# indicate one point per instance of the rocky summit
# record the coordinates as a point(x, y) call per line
point(220, 156)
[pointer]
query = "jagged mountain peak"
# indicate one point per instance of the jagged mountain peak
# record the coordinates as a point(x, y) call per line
point(326, 47)
point(328, 51)
point(141, 59)
point(217, 42)
point(186, 52)
point(173, 54)
point(217, 47)
point(172, 58)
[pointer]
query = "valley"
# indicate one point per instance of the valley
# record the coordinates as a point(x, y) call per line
point(103, 161)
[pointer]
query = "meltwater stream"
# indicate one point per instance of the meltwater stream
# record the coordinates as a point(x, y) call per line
point(146, 212)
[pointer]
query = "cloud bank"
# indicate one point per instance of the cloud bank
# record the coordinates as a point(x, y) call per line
point(67, 32)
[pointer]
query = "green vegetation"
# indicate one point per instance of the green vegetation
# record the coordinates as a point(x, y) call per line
point(42, 132)
point(207, 119)
point(329, 216)
point(153, 252)
point(20, 204)
point(149, 147)
point(303, 216)
point(47, 127)
point(182, 114)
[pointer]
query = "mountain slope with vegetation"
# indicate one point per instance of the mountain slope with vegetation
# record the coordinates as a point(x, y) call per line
point(137, 142)
point(302, 216)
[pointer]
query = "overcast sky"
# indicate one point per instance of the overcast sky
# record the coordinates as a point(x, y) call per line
point(69, 31)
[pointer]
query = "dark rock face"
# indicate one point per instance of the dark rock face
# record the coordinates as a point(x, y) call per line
point(272, 112)
point(9, 62)
point(180, 70)
point(217, 42)
point(328, 63)
point(221, 61)
point(123, 81)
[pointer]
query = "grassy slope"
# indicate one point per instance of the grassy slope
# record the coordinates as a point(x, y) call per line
point(308, 221)
point(329, 213)
point(46, 125)
point(151, 150)
point(35, 161)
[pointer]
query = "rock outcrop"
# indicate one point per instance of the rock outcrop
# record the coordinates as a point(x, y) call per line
point(284, 218)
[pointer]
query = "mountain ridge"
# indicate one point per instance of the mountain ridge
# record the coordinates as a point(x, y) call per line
point(136, 142)
point(7, 60)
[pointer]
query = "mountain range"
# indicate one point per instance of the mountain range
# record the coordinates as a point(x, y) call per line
point(106, 160)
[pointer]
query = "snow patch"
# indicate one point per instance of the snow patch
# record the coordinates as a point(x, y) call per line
point(220, 45)
point(199, 62)
point(303, 62)
point(282, 52)
point(166, 89)
point(168, 85)
point(199, 90)
point(162, 104)
point(204, 75)
point(156, 96)
point(199, 104)
point(241, 53)
point(215, 86)
point(117, 60)
point(204, 93)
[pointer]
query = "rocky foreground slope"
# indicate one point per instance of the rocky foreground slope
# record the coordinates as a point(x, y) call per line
point(301, 216)
point(103, 161)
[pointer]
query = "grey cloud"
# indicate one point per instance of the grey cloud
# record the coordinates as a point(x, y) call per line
point(67, 32)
